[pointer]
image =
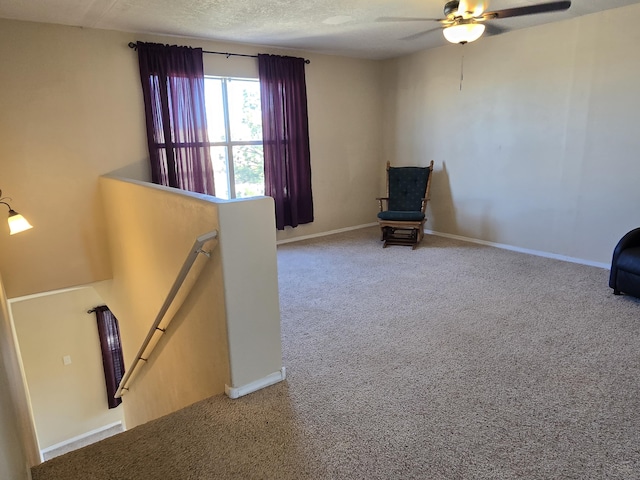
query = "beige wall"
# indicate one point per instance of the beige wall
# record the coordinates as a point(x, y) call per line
point(539, 150)
point(248, 251)
point(67, 400)
point(345, 131)
point(72, 111)
point(13, 462)
point(18, 444)
point(151, 232)
point(223, 332)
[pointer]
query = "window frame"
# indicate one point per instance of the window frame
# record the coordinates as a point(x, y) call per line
point(229, 144)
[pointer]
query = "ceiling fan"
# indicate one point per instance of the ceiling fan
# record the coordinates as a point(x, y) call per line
point(464, 20)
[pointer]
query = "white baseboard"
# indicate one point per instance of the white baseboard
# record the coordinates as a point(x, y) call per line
point(237, 392)
point(79, 437)
point(45, 294)
point(504, 246)
point(324, 234)
point(522, 250)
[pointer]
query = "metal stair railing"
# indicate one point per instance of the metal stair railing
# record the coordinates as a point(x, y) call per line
point(143, 354)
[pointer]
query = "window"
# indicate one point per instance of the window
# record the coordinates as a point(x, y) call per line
point(235, 134)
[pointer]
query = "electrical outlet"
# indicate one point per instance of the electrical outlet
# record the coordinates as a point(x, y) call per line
point(66, 359)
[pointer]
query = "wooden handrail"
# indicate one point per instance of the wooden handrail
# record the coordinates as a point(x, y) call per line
point(155, 327)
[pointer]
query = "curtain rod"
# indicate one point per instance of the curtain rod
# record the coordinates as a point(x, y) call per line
point(227, 54)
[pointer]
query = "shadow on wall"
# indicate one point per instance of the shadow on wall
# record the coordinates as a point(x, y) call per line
point(136, 171)
point(443, 212)
point(474, 218)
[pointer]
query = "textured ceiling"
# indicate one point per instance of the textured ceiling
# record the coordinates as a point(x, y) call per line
point(341, 27)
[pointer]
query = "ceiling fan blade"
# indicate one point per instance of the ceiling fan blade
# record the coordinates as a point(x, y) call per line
point(420, 34)
point(407, 19)
point(531, 9)
point(491, 30)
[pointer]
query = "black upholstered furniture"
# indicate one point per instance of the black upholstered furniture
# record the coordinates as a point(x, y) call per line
point(625, 265)
point(402, 222)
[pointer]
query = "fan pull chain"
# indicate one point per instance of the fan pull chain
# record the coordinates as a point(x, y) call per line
point(461, 71)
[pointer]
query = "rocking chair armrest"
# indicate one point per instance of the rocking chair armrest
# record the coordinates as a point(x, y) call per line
point(380, 199)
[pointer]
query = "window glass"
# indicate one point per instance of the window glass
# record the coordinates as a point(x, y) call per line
point(248, 166)
point(220, 171)
point(214, 101)
point(245, 119)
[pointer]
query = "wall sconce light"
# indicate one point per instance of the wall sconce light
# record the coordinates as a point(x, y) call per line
point(17, 223)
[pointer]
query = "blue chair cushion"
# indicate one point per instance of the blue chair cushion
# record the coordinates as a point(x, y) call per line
point(407, 187)
point(402, 216)
point(629, 260)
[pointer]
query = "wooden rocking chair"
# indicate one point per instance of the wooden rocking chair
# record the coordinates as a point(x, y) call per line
point(408, 190)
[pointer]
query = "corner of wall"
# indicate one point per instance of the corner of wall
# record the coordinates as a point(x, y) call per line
point(15, 414)
point(249, 260)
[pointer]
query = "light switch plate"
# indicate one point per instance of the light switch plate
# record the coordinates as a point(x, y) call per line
point(66, 359)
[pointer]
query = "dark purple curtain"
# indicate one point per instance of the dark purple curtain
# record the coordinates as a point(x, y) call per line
point(285, 134)
point(173, 87)
point(112, 360)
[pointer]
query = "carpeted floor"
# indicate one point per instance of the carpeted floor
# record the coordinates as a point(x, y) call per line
point(451, 361)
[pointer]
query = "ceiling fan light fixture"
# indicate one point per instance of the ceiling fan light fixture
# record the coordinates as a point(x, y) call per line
point(463, 32)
